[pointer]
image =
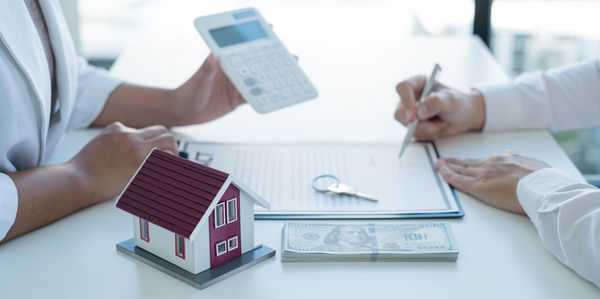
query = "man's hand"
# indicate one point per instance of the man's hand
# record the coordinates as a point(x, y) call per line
point(109, 161)
point(445, 112)
point(494, 180)
point(207, 95)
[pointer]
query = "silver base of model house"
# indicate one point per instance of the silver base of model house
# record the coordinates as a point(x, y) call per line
point(205, 278)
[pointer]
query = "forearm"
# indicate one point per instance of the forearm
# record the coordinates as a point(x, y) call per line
point(139, 106)
point(560, 99)
point(45, 195)
point(565, 212)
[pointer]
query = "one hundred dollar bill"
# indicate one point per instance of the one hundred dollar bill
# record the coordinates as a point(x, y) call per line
point(327, 241)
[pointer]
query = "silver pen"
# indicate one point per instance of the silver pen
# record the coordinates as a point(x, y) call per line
point(429, 85)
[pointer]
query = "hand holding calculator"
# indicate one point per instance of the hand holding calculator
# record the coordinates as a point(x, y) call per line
point(257, 63)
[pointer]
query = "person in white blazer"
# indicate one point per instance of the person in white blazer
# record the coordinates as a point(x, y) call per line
point(565, 210)
point(31, 194)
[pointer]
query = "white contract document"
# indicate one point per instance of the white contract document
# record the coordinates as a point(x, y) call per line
point(407, 187)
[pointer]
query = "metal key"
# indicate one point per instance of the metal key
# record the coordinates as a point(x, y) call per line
point(345, 189)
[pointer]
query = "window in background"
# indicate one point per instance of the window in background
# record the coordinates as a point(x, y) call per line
point(443, 18)
point(538, 35)
point(107, 26)
point(527, 35)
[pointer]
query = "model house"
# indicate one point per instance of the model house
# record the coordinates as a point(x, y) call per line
point(188, 214)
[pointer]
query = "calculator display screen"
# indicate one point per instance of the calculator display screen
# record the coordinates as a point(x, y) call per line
point(238, 33)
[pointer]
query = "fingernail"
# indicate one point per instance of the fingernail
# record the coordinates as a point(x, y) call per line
point(422, 110)
point(407, 113)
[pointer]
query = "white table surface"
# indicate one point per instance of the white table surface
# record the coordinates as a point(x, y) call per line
point(501, 255)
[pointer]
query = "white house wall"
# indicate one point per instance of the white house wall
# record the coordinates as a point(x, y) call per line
point(162, 244)
point(202, 250)
point(247, 221)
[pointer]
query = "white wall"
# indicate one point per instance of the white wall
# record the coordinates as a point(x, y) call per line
point(202, 250)
point(247, 221)
point(162, 244)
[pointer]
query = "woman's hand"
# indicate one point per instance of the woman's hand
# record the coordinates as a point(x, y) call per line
point(494, 180)
point(108, 162)
point(207, 95)
point(98, 172)
point(445, 112)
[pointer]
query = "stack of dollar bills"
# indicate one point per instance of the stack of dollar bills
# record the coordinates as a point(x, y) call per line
point(364, 241)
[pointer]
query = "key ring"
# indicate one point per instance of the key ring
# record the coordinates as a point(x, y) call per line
point(323, 182)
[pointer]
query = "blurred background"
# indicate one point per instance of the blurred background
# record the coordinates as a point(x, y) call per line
point(524, 35)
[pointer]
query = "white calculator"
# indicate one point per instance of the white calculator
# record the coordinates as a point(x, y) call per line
point(255, 60)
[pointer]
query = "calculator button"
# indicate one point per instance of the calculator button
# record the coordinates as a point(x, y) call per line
point(286, 93)
point(282, 53)
point(262, 100)
point(265, 67)
point(297, 90)
point(271, 55)
point(268, 87)
point(284, 73)
point(306, 87)
point(250, 81)
point(290, 82)
point(256, 91)
point(254, 69)
point(303, 80)
point(259, 58)
point(271, 76)
point(262, 77)
point(277, 63)
point(236, 63)
point(244, 72)
point(274, 98)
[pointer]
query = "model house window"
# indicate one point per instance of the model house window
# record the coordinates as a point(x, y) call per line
point(179, 246)
point(231, 210)
point(144, 234)
point(232, 243)
point(220, 215)
point(221, 248)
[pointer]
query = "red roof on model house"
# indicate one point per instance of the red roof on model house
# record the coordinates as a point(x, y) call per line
point(175, 193)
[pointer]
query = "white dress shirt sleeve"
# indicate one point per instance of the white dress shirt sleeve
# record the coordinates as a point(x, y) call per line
point(94, 86)
point(561, 99)
point(8, 204)
point(566, 213)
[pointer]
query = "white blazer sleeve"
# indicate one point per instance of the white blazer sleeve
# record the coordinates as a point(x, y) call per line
point(8, 204)
point(561, 99)
point(566, 213)
point(94, 86)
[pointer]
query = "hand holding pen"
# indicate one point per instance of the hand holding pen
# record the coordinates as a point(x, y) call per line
point(444, 112)
point(429, 86)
